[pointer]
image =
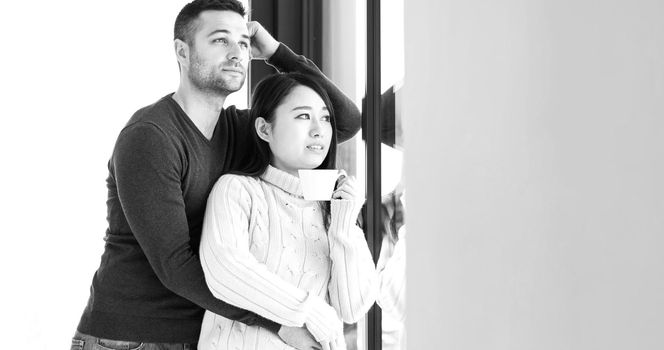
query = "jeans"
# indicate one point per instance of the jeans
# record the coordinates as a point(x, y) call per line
point(87, 342)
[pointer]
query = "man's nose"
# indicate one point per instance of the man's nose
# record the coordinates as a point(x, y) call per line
point(234, 51)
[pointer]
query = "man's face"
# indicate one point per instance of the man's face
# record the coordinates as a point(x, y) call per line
point(219, 53)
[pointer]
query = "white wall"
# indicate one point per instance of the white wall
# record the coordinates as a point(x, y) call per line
point(535, 159)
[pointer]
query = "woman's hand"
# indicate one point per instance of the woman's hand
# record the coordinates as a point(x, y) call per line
point(346, 188)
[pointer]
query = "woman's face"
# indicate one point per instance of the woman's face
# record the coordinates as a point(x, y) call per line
point(300, 132)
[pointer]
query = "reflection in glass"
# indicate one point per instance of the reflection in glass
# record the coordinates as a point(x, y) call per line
point(392, 259)
point(345, 61)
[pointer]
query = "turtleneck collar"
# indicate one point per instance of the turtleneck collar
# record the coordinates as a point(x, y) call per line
point(283, 180)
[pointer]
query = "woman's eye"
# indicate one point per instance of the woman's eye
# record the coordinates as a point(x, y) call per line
point(303, 116)
point(325, 118)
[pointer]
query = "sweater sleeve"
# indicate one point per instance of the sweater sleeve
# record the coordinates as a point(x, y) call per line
point(348, 117)
point(234, 275)
point(147, 167)
point(392, 296)
point(354, 281)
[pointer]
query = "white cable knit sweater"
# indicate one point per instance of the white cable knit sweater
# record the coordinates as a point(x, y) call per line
point(264, 249)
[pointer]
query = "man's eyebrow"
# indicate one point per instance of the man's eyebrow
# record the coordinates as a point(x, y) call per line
point(226, 31)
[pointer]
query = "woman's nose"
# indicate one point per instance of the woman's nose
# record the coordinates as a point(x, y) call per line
point(316, 130)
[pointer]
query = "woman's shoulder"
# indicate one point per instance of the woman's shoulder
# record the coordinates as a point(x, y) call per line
point(239, 185)
point(235, 180)
point(234, 190)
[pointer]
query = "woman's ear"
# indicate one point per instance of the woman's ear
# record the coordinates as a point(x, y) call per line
point(263, 129)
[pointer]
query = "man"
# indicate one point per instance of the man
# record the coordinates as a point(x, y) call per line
point(150, 287)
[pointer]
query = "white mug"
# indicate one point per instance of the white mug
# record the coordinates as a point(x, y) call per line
point(318, 184)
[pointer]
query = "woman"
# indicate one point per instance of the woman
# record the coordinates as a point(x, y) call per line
point(266, 249)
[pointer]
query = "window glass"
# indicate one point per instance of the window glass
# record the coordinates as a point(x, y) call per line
point(392, 259)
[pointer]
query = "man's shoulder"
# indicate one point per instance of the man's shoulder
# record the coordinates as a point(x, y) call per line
point(234, 114)
point(157, 110)
point(152, 127)
point(163, 117)
point(162, 113)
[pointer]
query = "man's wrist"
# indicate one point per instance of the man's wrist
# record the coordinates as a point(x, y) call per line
point(270, 325)
point(271, 49)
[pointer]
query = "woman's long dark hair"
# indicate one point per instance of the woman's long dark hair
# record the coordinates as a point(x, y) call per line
point(268, 95)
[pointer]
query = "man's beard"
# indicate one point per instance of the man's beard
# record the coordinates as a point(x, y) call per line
point(209, 79)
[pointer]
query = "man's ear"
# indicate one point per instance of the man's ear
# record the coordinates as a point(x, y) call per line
point(181, 52)
point(263, 129)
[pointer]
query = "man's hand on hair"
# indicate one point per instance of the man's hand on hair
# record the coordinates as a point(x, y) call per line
point(263, 45)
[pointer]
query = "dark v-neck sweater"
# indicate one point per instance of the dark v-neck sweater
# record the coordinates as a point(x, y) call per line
point(150, 286)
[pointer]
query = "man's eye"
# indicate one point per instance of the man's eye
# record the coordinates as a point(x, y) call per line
point(221, 40)
point(244, 45)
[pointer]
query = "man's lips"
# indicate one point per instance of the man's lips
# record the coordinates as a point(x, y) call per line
point(233, 70)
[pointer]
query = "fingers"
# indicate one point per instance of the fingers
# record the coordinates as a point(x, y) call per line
point(343, 194)
point(298, 338)
point(338, 343)
point(346, 189)
point(340, 181)
point(311, 343)
point(263, 44)
point(346, 181)
point(253, 27)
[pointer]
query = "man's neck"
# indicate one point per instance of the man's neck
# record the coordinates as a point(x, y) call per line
point(203, 109)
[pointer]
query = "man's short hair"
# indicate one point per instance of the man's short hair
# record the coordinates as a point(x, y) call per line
point(185, 23)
